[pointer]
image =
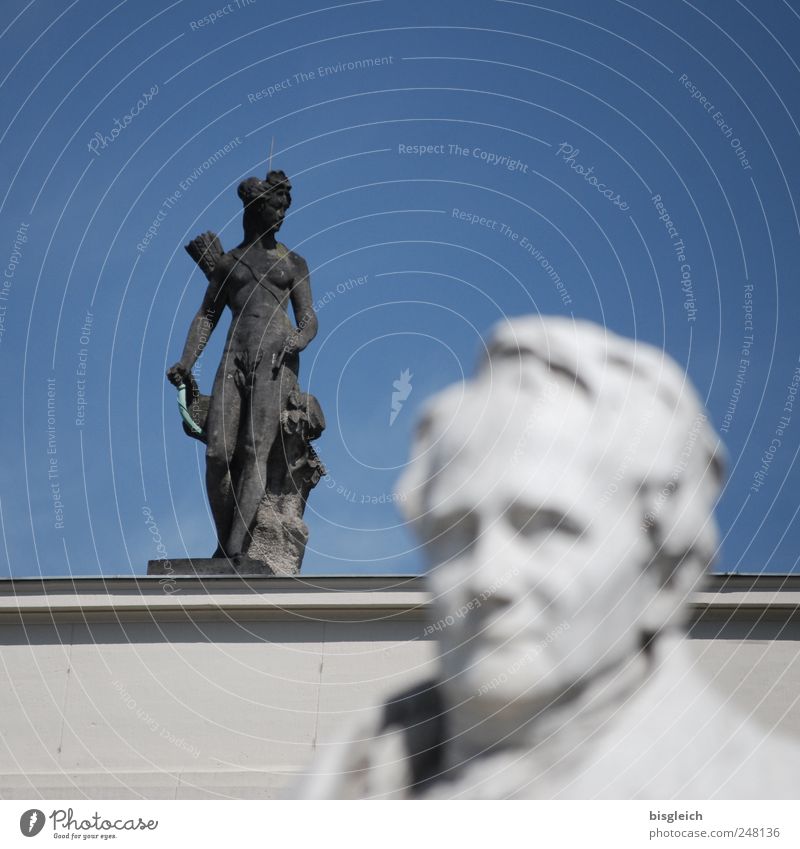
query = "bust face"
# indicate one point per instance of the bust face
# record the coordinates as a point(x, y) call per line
point(536, 567)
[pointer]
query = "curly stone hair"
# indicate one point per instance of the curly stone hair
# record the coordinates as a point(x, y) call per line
point(276, 185)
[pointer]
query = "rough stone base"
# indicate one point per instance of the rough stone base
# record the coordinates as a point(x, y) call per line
point(279, 534)
point(207, 566)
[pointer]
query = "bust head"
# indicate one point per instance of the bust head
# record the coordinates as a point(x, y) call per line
point(265, 203)
point(564, 497)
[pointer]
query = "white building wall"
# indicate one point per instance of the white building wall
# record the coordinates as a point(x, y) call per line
point(226, 689)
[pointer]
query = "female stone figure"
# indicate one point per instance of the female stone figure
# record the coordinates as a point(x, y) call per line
point(259, 465)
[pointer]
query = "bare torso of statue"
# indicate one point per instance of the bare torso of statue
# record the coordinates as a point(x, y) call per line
point(259, 463)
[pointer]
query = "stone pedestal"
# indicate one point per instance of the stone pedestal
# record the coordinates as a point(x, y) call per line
point(208, 566)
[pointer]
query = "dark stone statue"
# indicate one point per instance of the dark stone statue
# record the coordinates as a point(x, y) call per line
point(257, 423)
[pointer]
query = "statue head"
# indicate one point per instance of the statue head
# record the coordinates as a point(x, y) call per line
point(564, 497)
point(265, 203)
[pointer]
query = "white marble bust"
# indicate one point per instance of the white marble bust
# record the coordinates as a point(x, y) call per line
point(564, 498)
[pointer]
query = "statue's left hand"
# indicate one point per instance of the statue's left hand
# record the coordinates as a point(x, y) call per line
point(294, 343)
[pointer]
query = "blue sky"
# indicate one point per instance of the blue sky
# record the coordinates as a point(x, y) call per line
point(686, 115)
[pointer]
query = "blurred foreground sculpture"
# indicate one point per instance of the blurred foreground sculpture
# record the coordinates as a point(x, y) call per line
point(257, 424)
point(564, 497)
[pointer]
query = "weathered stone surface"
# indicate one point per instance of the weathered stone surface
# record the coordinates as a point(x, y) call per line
point(208, 566)
point(257, 423)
